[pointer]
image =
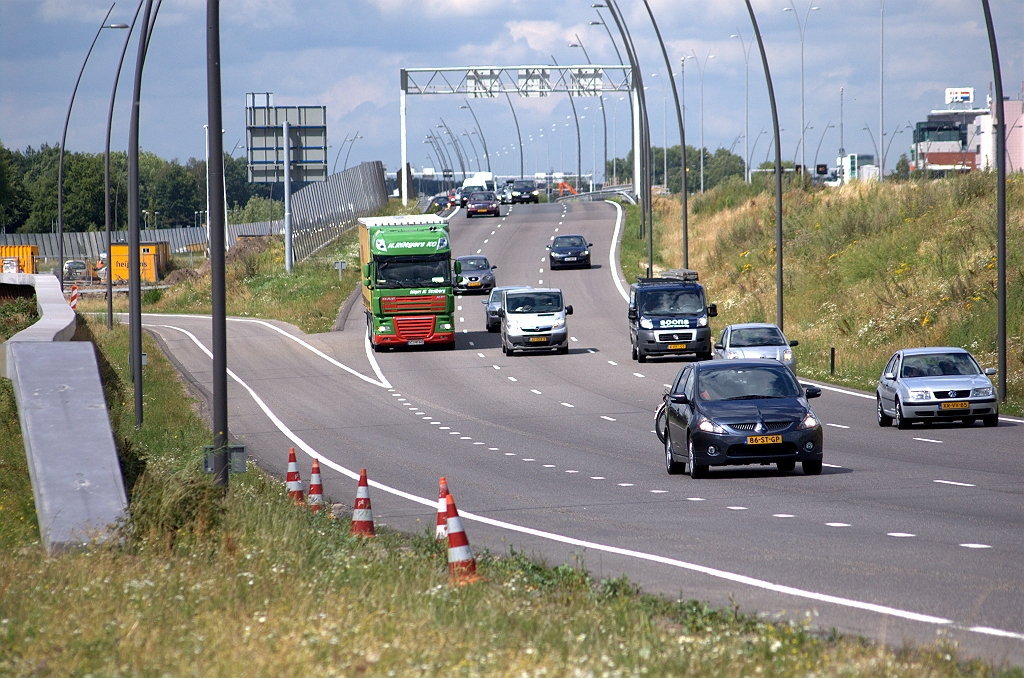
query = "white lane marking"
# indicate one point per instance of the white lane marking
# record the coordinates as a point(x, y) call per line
point(573, 339)
point(694, 499)
point(496, 367)
point(459, 308)
point(396, 395)
point(951, 482)
point(540, 271)
point(559, 223)
point(597, 477)
point(667, 385)
point(658, 491)
point(453, 433)
point(512, 379)
point(478, 251)
point(838, 524)
point(976, 546)
point(625, 484)
point(479, 443)
point(493, 449)
point(929, 440)
point(510, 454)
point(540, 282)
point(637, 374)
point(486, 241)
point(481, 355)
point(552, 238)
point(568, 405)
point(901, 534)
point(492, 232)
point(472, 344)
point(542, 260)
point(607, 418)
point(831, 465)
point(444, 428)
point(837, 426)
point(782, 515)
point(736, 508)
point(465, 331)
point(571, 471)
point(530, 459)
point(533, 390)
point(572, 541)
point(612, 268)
point(612, 362)
point(549, 466)
point(462, 320)
point(435, 423)
point(391, 390)
point(427, 417)
point(590, 350)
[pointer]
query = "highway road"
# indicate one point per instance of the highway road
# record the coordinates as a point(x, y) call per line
point(905, 536)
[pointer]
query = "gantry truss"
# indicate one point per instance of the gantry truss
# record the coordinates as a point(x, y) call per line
point(475, 82)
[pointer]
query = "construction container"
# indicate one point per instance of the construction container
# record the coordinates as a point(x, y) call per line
point(26, 255)
point(154, 257)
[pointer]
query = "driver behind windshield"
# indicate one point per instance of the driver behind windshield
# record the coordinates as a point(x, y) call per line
point(542, 302)
point(747, 383)
point(670, 302)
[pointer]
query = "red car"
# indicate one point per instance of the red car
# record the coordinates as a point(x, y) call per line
point(483, 202)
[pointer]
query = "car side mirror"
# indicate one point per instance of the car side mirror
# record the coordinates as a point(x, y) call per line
point(368, 283)
point(720, 346)
point(631, 314)
point(568, 310)
point(712, 310)
point(889, 376)
point(494, 267)
point(484, 301)
point(501, 313)
point(547, 247)
point(590, 244)
point(991, 371)
point(366, 270)
point(678, 398)
point(458, 267)
point(812, 391)
point(794, 342)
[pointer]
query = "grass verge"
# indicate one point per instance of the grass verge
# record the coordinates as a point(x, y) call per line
point(869, 269)
point(252, 585)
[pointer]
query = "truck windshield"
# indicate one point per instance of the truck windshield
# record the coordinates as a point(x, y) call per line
point(671, 302)
point(534, 302)
point(413, 271)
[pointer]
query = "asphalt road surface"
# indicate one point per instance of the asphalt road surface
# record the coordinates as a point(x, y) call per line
point(905, 536)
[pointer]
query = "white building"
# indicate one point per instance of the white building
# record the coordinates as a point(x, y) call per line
point(1013, 112)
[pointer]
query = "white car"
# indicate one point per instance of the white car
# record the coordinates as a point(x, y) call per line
point(534, 320)
point(755, 340)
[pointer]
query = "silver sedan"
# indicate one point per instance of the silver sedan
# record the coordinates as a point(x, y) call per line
point(935, 384)
point(755, 340)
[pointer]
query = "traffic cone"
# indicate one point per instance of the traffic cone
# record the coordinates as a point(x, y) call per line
point(362, 514)
point(461, 562)
point(74, 296)
point(292, 481)
point(441, 531)
point(316, 488)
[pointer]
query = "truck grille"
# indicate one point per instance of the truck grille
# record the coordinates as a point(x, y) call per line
point(675, 336)
point(414, 327)
point(425, 304)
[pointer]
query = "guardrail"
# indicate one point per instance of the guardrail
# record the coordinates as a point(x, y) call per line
point(72, 459)
point(602, 194)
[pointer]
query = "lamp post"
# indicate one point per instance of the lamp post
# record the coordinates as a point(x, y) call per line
point(518, 133)
point(604, 117)
point(579, 149)
point(868, 130)
point(63, 141)
point(480, 131)
point(338, 156)
point(881, 88)
point(823, 133)
point(351, 143)
point(746, 46)
point(455, 145)
point(801, 26)
point(106, 168)
point(473, 146)
point(700, 68)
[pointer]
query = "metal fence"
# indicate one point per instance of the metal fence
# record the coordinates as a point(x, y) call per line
point(321, 212)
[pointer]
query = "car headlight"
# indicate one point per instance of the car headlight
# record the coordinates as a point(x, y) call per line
point(787, 355)
point(515, 192)
point(381, 329)
point(809, 422)
point(646, 323)
point(709, 426)
point(586, 252)
point(446, 326)
point(559, 322)
point(702, 321)
point(920, 394)
point(982, 392)
point(733, 355)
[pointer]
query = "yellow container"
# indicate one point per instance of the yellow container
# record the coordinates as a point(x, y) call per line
point(153, 257)
point(26, 255)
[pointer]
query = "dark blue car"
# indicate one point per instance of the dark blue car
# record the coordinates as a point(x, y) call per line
point(569, 251)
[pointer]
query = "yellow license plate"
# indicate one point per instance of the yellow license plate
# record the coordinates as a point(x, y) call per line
point(954, 406)
point(677, 347)
point(538, 339)
point(476, 284)
point(482, 210)
point(763, 440)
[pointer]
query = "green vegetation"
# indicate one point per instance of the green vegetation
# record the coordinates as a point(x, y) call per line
point(252, 585)
point(719, 167)
point(869, 269)
point(15, 315)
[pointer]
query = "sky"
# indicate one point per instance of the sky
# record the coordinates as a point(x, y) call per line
point(347, 56)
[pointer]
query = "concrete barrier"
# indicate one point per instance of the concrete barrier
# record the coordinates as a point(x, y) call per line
point(72, 459)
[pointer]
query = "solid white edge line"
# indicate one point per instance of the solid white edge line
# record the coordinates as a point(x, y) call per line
point(611, 254)
point(571, 541)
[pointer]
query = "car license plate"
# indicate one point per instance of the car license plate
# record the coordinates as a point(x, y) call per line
point(763, 440)
point(570, 259)
point(538, 339)
point(474, 284)
point(677, 347)
point(482, 209)
point(955, 406)
point(415, 342)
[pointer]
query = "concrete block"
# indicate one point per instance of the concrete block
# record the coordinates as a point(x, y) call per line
point(72, 458)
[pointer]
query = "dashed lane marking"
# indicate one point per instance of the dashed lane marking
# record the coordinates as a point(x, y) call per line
point(736, 508)
point(549, 466)
point(540, 282)
point(590, 350)
point(444, 428)
point(952, 482)
point(975, 546)
point(573, 339)
point(486, 241)
point(625, 484)
point(838, 524)
point(658, 491)
point(458, 308)
point(597, 478)
point(479, 251)
point(637, 374)
point(929, 440)
point(837, 426)
point(567, 405)
point(493, 449)
point(782, 515)
point(607, 418)
point(694, 499)
point(901, 535)
point(533, 390)
point(496, 367)
point(481, 355)
point(510, 454)
point(512, 379)
point(529, 459)
point(831, 465)
point(571, 471)
point(612, 362)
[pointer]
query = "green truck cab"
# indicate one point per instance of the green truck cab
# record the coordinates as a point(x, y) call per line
point(407, 281)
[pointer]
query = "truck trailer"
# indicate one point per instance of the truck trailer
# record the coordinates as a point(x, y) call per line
point(407, 281)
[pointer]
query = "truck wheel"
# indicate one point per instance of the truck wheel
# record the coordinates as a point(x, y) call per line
point(641, 357)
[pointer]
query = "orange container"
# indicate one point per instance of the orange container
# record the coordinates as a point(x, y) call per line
point(26, 254)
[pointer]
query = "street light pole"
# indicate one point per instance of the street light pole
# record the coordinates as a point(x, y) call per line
point(480, 131)
point(778, 172)
point(518, 133)
point(579, 149)
point(881, 90)
point(604, 116)
point(351, 143)
point(106, 169)
point(746, 47)
point(1000, 202)
point(801, 25)
point(700, 68)
point(63, 142)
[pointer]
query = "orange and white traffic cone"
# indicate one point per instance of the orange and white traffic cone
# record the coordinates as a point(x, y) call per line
point(293, 483)
point(441, 530)
point(316, 488)
point(362, 514)
point(461, 562)
point(74, 296)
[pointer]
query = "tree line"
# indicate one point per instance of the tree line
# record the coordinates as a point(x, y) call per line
point(170, 193)
point(719, 167)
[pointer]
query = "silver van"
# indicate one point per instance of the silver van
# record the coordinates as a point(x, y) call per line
point(534, 320)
